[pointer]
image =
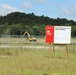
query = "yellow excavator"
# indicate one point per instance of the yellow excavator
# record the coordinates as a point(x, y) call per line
point(29, 38)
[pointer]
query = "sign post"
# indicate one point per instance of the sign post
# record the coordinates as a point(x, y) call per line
point(49, 49)
point(66, 51)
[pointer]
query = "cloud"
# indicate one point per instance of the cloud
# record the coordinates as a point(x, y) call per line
point(71, 10)
point(5, 9)
point(27, 5)
point(65, 10)
point(42, 2)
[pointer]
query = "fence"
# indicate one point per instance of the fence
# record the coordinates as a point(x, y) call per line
point(19, 41)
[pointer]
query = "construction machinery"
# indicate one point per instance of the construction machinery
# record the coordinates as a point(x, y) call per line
point(28, 37)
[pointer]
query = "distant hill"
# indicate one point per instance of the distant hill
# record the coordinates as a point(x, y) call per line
point(16, 23)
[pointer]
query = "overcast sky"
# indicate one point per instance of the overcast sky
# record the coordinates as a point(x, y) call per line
point(50, 8)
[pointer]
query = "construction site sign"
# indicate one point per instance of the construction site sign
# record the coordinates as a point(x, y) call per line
point(58, 34)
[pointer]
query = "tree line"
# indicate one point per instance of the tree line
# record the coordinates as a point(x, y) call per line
point(16, 23)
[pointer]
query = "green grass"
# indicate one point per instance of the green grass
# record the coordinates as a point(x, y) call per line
point(15, 61)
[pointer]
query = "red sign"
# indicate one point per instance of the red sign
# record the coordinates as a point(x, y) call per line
point(50, 34)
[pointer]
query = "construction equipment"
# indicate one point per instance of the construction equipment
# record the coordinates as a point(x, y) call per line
point(29, 38)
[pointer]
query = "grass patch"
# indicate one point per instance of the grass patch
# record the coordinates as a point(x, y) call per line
point(35, 62)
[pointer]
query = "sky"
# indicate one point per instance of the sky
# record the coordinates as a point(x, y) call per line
point(50, 8)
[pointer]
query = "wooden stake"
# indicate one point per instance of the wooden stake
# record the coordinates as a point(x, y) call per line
point(66, 51)
point(49, 49)
point(53, 50)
